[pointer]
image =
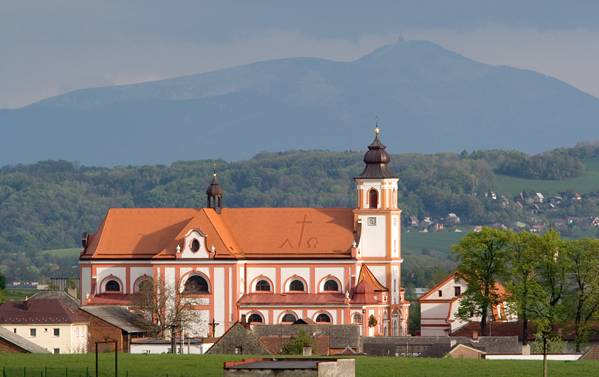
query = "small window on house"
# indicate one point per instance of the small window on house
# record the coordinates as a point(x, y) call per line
point(457, 291)
point(440, 293)
point(238, 350)
point(255, 318)
point(195, 245)
point(57, 332)
point(373, 198)
point(331, 285)
point(263, 286)
point(32, 332)
point(296, 286)
point(14, 330)
point(56, 351)
point(113, 286)
point(372, 221)
point(323, 317)
point(289, 318)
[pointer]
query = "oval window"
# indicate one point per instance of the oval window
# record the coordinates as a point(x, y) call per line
point(195, 245)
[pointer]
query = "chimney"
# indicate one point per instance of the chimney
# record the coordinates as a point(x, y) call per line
point(475, 334)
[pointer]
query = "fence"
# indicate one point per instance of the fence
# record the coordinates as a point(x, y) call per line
point(77, 372)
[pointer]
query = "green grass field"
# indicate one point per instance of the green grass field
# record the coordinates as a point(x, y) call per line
point(63, 253)
point(18, 293)
point(211, 365)
point(588, 182)
point(441, 241)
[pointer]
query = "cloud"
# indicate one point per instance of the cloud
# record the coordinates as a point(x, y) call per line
point(52, 47)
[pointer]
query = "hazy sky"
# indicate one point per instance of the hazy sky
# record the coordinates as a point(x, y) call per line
point(48, 47)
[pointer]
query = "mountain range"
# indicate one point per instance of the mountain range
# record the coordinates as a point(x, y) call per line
point(428, 99)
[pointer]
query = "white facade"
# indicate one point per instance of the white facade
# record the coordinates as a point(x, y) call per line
point(56, 338)
point(439, 308)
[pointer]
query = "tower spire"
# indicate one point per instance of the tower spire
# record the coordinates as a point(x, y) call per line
point(376, 158)
point(214, 193)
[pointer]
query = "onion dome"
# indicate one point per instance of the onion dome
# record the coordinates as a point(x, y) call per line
point(377, 160)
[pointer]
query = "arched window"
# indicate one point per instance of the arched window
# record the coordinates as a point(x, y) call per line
point(296, 286)
point(289, 318)
point(263, 286)
point(196, 284)
point(112, 286)
point(373, 198)
point(323, 317)
point(331, 285)
point(357, 318)
point(255, 318)
point(143, 284)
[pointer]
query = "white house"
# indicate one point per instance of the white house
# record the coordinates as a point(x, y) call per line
point(439, 307)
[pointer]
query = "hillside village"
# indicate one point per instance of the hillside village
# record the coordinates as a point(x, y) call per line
point(541, 212)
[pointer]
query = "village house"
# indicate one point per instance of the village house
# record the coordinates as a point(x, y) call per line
point(53, 324)
point(439, 307)
point(273, 265)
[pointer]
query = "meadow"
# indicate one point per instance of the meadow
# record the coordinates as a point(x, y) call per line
point(586, 182)
point(211, 365)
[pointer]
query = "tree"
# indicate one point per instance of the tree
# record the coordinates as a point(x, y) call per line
point(296, 345)
point(522, 275)
point(372, 322)
point(549, 287)
point(166, 309)
point(2, 287)
point(482, 263)
point(584, 271)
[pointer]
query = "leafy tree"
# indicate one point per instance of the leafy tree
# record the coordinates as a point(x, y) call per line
point(549, 287)
point(2, 287)
point(584, 271)
point(522, 275)
point(372, 322)
point(482, 263)
point(296, 344)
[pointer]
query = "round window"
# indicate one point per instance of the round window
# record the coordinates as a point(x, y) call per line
point(195, 245)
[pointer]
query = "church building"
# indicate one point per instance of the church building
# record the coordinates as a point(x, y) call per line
point(271, 265)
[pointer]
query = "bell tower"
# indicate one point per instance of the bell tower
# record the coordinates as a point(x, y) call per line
point(378, 220)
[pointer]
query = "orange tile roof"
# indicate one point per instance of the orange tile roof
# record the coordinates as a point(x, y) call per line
point(368, 277)
point(236, 232)
point(292, 298)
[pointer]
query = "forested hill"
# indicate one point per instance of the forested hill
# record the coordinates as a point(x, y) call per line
point(47, 205)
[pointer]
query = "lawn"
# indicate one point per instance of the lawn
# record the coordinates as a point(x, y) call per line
point(62, 253)
point(587, 182)
point(441, 241)
point(211, 365)
point(19, 293)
